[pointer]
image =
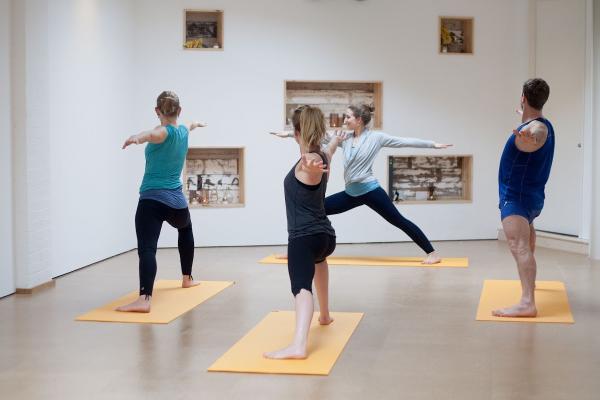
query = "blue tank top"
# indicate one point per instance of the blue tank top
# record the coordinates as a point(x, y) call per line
point(164, 161)
point(522, 176)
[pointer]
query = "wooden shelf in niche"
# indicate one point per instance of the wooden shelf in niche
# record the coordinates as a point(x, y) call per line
point(430, 179)
point(214, 177)
point(203, 30)
point(333, 97)
point(456, 35)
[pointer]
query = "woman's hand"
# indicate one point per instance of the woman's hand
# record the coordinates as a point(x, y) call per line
point(527, 135)
point(197, 124)
point(441, 146)
point(312, 165)
point(340, 136)
point(282, 134)
point(133, 139)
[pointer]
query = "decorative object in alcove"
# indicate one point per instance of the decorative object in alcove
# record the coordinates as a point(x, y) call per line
point(203, 30)
point(431, 189)
point(456, 35)
point(333, 97)
point(334, 120)
point(430, 179)
point(214, 177)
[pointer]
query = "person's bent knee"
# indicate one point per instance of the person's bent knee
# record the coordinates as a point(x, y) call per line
point(186, 228)
point(297, 289)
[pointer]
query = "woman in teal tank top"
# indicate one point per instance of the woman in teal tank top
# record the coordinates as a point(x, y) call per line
point(161, 197)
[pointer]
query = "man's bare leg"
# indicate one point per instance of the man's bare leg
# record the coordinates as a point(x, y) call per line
point(518, 233)
point(304, 314)
point(322, 285)
point(532, 238)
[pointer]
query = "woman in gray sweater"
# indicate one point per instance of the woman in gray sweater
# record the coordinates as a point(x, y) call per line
point(362, 188)
point(360, 148)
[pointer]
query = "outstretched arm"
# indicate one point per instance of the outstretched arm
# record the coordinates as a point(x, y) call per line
point(395, 141)
point(156, 135)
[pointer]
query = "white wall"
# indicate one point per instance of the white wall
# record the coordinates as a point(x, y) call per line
point(595, 142)
point(91, 108)
point(561, 60)
point(465, 100)
point(29, 120)
point(587, 181)
point(7, 278)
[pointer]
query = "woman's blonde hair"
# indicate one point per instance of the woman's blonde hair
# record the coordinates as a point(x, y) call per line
point(312, 126)
point(296, 118)
point(168, 104)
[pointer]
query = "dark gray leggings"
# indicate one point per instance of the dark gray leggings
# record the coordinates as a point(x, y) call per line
point(303, 253)
point(379, 202)
point(149, 218)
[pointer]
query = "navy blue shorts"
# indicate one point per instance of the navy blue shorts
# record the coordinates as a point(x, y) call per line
point(510, 207)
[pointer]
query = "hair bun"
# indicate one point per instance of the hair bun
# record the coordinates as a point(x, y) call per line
point(367, 108)
point(168, 103)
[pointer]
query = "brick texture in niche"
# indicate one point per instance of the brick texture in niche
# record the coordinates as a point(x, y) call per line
point(416, 178)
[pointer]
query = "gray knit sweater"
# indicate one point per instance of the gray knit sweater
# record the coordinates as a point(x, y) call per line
point(358, 167)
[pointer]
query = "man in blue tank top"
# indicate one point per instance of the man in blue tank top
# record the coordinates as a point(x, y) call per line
point(523, 173)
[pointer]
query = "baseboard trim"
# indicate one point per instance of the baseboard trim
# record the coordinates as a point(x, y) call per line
point(38, 288)
point(557, 242)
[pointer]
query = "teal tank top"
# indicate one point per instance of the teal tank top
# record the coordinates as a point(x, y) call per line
point(164, 161)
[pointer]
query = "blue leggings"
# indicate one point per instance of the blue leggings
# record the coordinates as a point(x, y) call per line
point(378, 201)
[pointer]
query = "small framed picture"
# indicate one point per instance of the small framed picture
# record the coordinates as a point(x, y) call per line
point(203, 30)
point(456, 35)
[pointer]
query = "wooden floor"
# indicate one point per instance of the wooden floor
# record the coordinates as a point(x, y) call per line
point(418, 338)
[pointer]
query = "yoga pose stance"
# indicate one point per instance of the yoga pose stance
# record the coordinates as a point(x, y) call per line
point(523, 173)
point(362, 188)
point(161, 197)
point(311, 237)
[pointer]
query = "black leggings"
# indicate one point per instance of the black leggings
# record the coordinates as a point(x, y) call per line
point(379, 202)
point(149, 218)
point(303, 253)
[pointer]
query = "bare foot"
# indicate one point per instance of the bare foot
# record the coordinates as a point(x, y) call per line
point(518, 310)
point(325, 319)
point(431, 258)
point(281, 256)
point(188, 282)
point(289, 353)
point(141, 305)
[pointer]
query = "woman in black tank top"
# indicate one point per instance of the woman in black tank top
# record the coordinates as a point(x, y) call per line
point(311, 237)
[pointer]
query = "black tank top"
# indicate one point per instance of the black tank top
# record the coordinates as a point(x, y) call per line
point(305, 206)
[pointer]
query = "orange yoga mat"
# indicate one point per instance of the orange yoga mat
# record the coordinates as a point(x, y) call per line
point(169, 301)
point(381, 261)
point(275, 331)
point(550, 297)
